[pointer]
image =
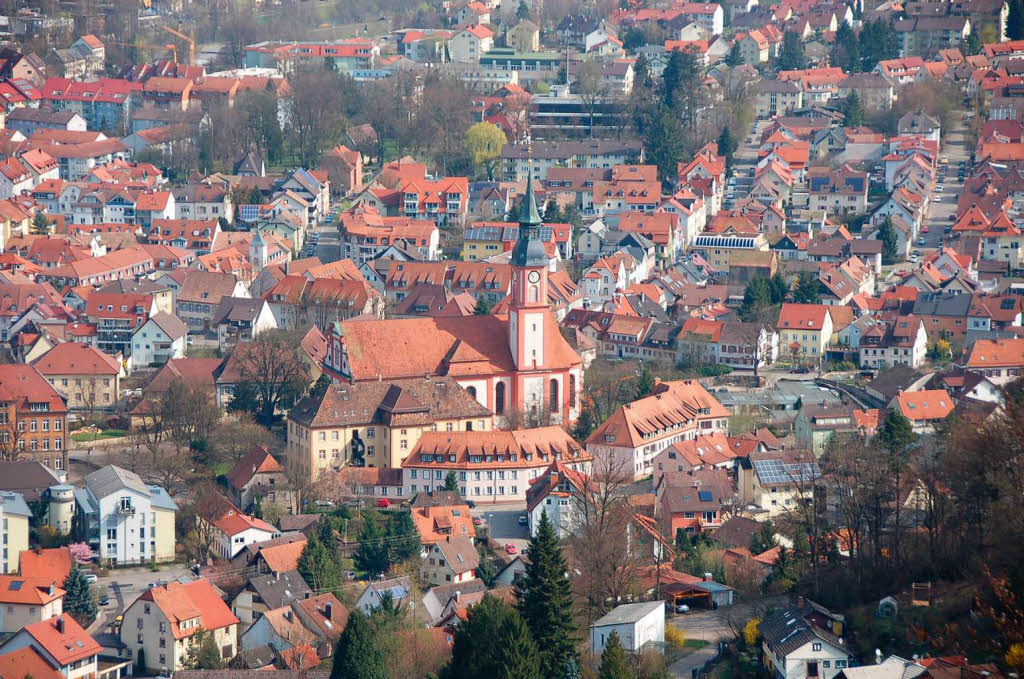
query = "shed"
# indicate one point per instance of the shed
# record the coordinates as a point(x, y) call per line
point(636, 624)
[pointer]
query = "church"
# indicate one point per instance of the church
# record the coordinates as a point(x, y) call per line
point(517, 365)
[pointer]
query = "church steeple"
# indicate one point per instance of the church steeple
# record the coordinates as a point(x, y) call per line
point(529, 250)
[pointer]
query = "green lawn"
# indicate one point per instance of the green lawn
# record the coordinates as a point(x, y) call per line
point(691, 645)
point(85, 437)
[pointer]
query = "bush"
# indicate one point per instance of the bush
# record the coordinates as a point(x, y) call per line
point(674, 636)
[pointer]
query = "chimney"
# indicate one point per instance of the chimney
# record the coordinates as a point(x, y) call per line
point(60, 624)
point(458, 595)
point(277, 575)
point(328, 610)
point(553, 478)
point(800, 603)
point(288, 615)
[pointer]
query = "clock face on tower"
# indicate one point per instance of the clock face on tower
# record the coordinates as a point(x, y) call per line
point(534, 276)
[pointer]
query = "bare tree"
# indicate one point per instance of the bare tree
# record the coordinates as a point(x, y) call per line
point(591, 89)
point(274, 372)
point(11, 434)
point(234, 436)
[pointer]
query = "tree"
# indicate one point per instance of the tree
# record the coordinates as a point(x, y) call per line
point(763, 539)
point(318, 564)
point(896, 433)
point(202, 653)
point(475, 651)
point(757, 299)
point(791, 57)
point(887, 234)
point(320, 387)
point(853, 112)
point(614, 664)
point(403, 538)
point(1015, 20)
point(735, 56)
point(845, 50)
point(40, 224)
point(372, 554)
point(878, 41)
point(644, 380)
point(79, 601)
point(591, 89)
point(483, 307)
point(451, 481)
point(483, 143)
point(358, 654)
point(727, 145)
point(545, 599)
point(642, 74)
point(523, 11)
point(806, 290)
point(682, 90)
point(233, 437)
point(485, 571)
point(273, 374)
point(519, 656)
point(664, 143)
point(973, 44)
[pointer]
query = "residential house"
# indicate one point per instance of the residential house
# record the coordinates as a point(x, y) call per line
point(87, 378)
point(32, 409)
point(233, 531)
point(563, 494)
point(62, 643)
point(28, 600)
point(161, 624)
point(805, 331)
point(470, 43)
point(902, 341)
point(201, 294)
point(126, 521)
point(452, 559)
point(777, 480)
point(637, 432)
point(240, 319)
point(117, 316)
point(161, 338)
point(400, 591)
point(799, 641)
point(267, 592)
point(258, 474)
point(636, 625)
point(15, 516)
point(999, 360)
point(924, 408)
point(875, 92)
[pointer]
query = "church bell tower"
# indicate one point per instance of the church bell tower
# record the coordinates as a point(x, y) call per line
point(528, 305)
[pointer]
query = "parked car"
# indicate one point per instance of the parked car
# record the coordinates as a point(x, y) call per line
point(104, 599)
point(523, 520)
point(470, 503)
point(511, 549)
point(477, 521)
point(800, 370)
point(924, 229)
point(90, 578)
point(682, 608)
point(383, 503)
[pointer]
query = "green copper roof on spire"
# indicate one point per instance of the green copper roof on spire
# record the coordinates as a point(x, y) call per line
point(528, 215)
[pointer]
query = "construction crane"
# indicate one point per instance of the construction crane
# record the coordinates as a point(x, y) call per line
point(189, 39)
point(170, 47)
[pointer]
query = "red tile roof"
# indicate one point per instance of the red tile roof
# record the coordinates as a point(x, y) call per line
point(198, 599)
point(1003, 353)
point(928, 404)
point(72, 358)
point(67, 646)
point(52, 564)
point(26, 662)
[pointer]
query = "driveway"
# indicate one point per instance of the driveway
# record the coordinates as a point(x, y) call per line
point(503, 526)
point(124, 586)
point(713, 627)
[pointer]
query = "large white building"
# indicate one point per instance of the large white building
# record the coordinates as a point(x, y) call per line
point(126, 521)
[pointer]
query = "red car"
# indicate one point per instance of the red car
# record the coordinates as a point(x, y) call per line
point(477, 521)
point(924, 229)
point(511, 549)
point(383, 503)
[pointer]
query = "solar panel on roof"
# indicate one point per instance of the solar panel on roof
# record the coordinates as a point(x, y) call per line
point(704, 495)
point(16, 585)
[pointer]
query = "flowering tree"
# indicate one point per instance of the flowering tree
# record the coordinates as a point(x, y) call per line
point(81, 553)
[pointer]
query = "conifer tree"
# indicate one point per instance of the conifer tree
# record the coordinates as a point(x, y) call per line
point(545, 600)
point(614, 664)
point(475, 650)
point(518, 652)
point(79, 601)
point(358, 654)
point(404, 538)
point(451, 481)
point(373, 553)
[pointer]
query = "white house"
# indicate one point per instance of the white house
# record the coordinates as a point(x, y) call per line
point(126, 521)
point(159, 339)
point(467, 45)
point(235, 530)
point(559, 491)
point(399, 589)
point(63, 645)
point(794, 647)
point(636, 625)
point(453, 559)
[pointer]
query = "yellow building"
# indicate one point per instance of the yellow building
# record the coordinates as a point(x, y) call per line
point(87, 378)
point(14, 518)
point(376, 424)
point(804, 331)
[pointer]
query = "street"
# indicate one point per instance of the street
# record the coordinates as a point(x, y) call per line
point(943, 206)
point(503, 526)
point(123, 586)
point(328, 247)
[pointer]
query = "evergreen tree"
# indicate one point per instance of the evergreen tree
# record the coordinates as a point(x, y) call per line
point(523, 10)
point(483, 307)
point(485, 571)
point(757, 299)
point(358, 654)
point(545, 600)
point(203, 653)
point(404, 538)
point(40, 224)
point(806, 290)
point(257, 507)
point(642, 73)
point(763, 539)
point(1015, 20)
point(896, 434)
point(664, 144)
point(672, 77)
point(878, 41)
point(372, 554)
point(791, 57)
point(853, 112)
point(475, 650)
point(79, 601)
point(887, 234)
point(321, 385)
point(518, 658)
point(614, 664)
point(451, 481)
point(318, 566)
point(778, 288)
point(572, 669)
point(734, 57)
point(644, 381)
point(972, 45)
point(727, 145)
point(845, 50)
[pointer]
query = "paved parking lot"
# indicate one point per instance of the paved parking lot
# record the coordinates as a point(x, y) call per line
point(503, 526)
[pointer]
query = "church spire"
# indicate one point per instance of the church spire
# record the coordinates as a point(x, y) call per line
point(528, 214)
point(529, 250)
